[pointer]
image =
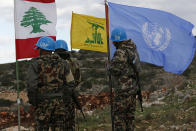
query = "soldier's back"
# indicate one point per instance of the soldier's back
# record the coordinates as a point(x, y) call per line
point(75, 69)
point(53, 72)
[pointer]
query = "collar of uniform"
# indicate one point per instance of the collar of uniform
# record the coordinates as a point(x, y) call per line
point(128, 44)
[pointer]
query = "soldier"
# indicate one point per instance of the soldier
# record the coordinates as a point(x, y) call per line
point(61, 49)
point(123, 68)
point(47, 76)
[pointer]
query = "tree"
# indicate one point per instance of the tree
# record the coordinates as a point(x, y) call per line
point(35, 18)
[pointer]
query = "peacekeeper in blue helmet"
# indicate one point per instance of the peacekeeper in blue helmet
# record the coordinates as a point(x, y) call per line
point(45, 79)
point(61, 49)
point(124, 66)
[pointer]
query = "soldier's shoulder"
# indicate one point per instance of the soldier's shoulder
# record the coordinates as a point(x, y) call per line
point(55, 54)
point(45, 57)
point(119, 55)
point(120, 51)
point(34, 60)
point(131, 44)
point(56, 58)
point(63, 62)
point(75, 61)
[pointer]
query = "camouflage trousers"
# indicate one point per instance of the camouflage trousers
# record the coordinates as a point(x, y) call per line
point(55, 115)
point(123, 110)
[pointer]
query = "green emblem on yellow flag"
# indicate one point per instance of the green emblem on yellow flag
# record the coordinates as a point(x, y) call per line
point(96, 35)
point(88, 32)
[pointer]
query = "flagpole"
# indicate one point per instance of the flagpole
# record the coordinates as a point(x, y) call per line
point(108, 49)
point(18, 93)
point(76, 118)
point(17, 76)
point(71, 30)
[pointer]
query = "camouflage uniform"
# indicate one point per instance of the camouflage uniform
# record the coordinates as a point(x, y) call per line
point(74, 66)
point(125, 89)
point(47, 76)
point(75, 69)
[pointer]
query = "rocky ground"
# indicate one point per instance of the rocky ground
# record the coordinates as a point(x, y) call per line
point(164, 110)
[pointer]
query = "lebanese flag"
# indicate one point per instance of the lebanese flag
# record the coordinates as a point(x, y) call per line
point(33, 19)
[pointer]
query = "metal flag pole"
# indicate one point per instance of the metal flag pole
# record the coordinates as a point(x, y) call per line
point(108, 49)
point(76, 113)
point(71, 30)
point(17, 76)
point(18, 93)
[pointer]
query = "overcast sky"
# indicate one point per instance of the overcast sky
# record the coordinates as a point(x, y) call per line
point(182, 8)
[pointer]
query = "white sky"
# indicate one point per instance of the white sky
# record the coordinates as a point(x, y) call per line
point(182, 8)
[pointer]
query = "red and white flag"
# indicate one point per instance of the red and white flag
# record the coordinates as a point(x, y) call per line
point(33, 19)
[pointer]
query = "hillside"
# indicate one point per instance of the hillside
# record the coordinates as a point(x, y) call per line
point(169, 99)
point(94, 78)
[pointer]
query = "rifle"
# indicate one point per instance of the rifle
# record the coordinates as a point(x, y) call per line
point(76, 101)
point(139, 89)
point(69, 91)
point(136, 76)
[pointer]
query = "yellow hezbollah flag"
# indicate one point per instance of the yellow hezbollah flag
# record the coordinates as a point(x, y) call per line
point(88, 32)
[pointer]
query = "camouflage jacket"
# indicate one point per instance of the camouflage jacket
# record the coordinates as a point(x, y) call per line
point(122, 63)
point(74, 65)
point(75, 69)
point(47, 74)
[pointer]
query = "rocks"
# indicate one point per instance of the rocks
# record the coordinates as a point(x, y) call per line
point(158, 103)
point(146, 104)
point(162, 127)
point(173, 127)
point(15, 128)
point(154, 103)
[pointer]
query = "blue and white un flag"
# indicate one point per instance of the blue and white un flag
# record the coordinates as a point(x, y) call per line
point(162, 38)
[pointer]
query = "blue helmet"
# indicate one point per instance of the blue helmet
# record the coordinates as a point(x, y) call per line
point(61, 44)
point(45, 43)
point(118, 34)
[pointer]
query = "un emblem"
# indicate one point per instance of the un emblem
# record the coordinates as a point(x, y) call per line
point(44, 45)
point(155, 36)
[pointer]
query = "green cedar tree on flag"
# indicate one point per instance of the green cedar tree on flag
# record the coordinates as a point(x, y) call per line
point(33, 19)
